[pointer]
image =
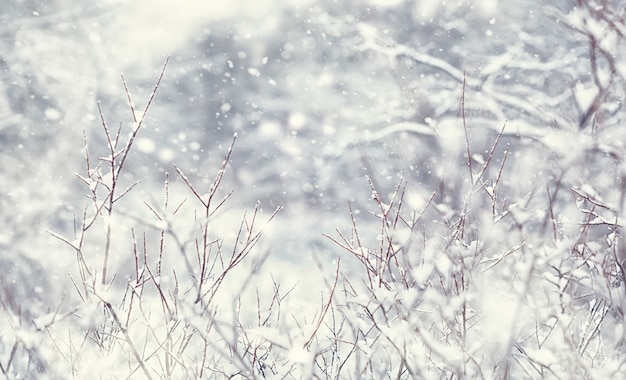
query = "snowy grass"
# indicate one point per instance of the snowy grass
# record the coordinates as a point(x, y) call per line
point(478, 278)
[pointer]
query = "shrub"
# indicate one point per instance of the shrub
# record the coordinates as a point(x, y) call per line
point(497, 253)
point(499, 287)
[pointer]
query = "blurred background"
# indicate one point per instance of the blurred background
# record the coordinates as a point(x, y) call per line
point(322, 95)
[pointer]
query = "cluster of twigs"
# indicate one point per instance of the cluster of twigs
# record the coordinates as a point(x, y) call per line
point(188, 336)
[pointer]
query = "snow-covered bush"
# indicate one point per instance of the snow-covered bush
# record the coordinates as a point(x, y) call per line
point(452, 175)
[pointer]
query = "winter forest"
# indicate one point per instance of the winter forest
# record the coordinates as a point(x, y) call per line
point(301, 189)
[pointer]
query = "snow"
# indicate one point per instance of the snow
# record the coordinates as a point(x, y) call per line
point(254, 72)
point(543, 357)
point(385, 3)
point(146, 145)
point(270, 130)
point(486, 8)
point(332, 105)
point(52, 114)
point(297, 120)
point(499, 312)
point(427, 9)
point(585, 94)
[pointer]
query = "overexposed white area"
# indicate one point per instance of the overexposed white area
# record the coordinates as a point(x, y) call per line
point(152, 30)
